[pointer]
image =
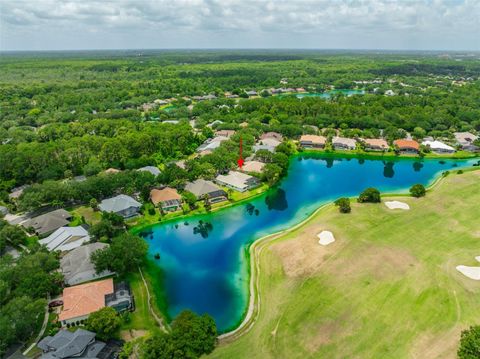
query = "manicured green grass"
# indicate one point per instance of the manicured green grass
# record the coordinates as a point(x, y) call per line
point(387, 288)
point(140, 319)
point(91, 216)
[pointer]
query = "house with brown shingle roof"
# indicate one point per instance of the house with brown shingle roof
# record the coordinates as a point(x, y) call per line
point(167, 198)
point(313, 141)
point(225, 133)
point(407, 146)
point(253, 166)
point(375, 144)
point(344, 143)
point(274, 135)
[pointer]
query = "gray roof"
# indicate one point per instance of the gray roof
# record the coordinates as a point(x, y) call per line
point(49, 222)
point(118, 203)
point(65, 344)
point(3, 210)
point(201, 187)
point(152, 169)
point(78, 268)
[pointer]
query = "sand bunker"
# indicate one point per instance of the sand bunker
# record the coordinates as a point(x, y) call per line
point(470, 272)
point(326, 237)
point(397, 205)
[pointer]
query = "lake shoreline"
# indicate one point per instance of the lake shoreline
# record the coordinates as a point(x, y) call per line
point(250, 247)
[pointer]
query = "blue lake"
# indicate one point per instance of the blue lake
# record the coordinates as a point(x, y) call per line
point(207, 272)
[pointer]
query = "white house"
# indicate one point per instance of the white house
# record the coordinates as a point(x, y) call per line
point(438, 146)
point(66, 239)
point(238, 181)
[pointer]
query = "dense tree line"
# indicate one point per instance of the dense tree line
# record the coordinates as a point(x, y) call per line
point(23, 291)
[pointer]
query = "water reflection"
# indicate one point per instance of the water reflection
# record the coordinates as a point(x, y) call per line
point(388, 171)
point(417, 166)
point(251, 209)
point(203, 228)
point(361, 161)
point(277, 200)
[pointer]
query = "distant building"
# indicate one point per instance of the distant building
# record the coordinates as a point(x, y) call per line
point(212, 143)
point(251, 93)
point(3, 211)
point(201, 187)
point(48, 222)
point(465, 140)
point(268, 144)
point(407, 146)
point(438, 147)
point(66, 239)
point(343, 143)
point(225, 133)
point(312, 141)
point(253, 166)
point(111, 171)
point(275, 135)
point(376, 144)
point(167, 198)
point(82, 300)
point(215, 123)
point(122, 205)
point(77, 267)
point(238, 181)
point(151, 169)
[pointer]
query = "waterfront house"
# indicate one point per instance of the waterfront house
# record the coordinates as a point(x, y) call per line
point(275, 135)
point(253, 166)
point(167, 198)
point(151, 169)
point(313, 141)
point(122, 205)
point(438, 146)
point(238, 181)
point(465, 140)
point(82, 300)
point(375, 144)
point(77, 267)
point(66, 238)
point(201, 188)
point(49, 222)
point(211, 143)
point(343, 143)
point(407, 146)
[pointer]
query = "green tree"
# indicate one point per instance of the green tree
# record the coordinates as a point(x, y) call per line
point(191, 337)
point(190, 199)
point(104, 323)
point(272, 173)
point(93, 204)
point(13, 234)
point(343, 205)
point(126, 252)
point(469, 343)
point(418, 190)
point(370, 195)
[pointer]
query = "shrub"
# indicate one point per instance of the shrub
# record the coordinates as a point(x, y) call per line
point(151, 211)
point(370, 195)
point(343, 205)
point(459, 172)
point(469, 343)
point(417, 190)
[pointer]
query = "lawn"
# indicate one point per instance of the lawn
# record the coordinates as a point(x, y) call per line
point(387, 288)
point(91, 216)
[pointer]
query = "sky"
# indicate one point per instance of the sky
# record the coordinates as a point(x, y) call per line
point(305, 24)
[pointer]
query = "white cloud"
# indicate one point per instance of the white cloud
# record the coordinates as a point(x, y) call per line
point(48, 24)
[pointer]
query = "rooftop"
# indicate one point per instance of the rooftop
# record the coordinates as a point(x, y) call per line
point(407, 144)
point(201, 187)
point(235, 179)
point(49, 222)
point(253, 166)
point(118, 203)
point(163, 195)
point(83, 299)
point(66, 238)
point(152, 169)
point(313, 139)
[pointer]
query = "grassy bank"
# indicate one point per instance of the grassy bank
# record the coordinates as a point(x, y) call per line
point(387, 288)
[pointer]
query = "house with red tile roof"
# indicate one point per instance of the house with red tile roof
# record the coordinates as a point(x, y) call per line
point(407, 146)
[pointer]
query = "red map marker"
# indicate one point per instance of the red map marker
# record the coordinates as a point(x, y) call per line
point(240, 160)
